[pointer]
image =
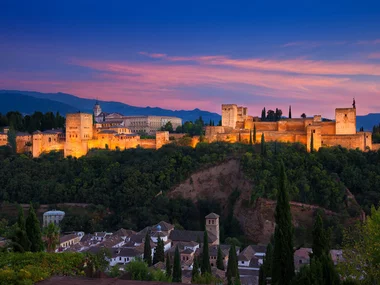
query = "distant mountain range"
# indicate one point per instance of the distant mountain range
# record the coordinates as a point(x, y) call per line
point(27, 102)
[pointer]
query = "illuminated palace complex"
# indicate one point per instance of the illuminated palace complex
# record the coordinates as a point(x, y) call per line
point(237, 125)
point(114, 131)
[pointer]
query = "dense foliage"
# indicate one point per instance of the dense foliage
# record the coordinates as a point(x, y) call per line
point(31, 123)
point(29, 268)
point(376, 134)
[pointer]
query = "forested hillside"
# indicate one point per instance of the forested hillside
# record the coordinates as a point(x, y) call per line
point(133, 183)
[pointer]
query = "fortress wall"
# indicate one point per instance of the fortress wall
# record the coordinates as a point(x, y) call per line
point(376, 146)
point(211, 131)
point(291, 125)
point(21, 143)
point(46, 143)
point(262, 126)
point(162, 138)
point(277, 136)
point(347, 141)
point(240, 125)
point(328, 128)
point(3, 139)
point(313, 131)
point(148, 143)
point(75, 149)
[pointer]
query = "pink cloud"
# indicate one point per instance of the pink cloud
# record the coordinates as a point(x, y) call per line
point(374, 55)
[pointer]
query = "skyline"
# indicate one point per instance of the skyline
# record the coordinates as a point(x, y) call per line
point(185, 56)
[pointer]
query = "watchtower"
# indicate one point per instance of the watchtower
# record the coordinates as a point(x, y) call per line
point(212, 226)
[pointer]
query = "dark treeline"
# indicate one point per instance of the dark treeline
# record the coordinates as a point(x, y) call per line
point(271, 116)
point(129, 183)
point(189, 127)
point(31, 123)
point(376, 134)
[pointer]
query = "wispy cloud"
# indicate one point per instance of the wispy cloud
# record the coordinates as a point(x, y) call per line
point(313, 44)
point(369, 42)
point(375, 55)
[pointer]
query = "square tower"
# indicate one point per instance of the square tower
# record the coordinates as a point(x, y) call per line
point(212, 226)
point(229, 115)
point(79, 131)
point(345, 121)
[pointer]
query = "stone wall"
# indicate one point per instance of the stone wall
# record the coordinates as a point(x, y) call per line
point(162, 138)
point(148, 143)
point(3, 139)
point(24, 143)
point(229, 115)
point(376, 146)
point(347, 141)
point(46, 143)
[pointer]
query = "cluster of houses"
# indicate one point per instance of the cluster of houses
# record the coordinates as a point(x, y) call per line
point(128, 245)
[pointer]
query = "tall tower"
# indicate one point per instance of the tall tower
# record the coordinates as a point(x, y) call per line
point(79, 131)
point(97, 109)
point(212, 225)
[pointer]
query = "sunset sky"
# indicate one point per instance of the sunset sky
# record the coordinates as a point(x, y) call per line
point(313, 55)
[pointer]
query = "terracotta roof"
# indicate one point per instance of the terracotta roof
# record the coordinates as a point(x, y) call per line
point(159, 265)
point(66, 280)
point(212, 216)
point(303, 252)
point(67, 238)
point(183, 235)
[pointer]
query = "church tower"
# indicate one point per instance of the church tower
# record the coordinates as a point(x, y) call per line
point(212, 226)
point(97, 109)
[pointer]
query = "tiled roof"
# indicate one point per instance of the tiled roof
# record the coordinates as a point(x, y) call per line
point(165, 226)
point(67, 238)
point(66, 280)
point(212, 216)
point(183, 235)
point(303, 252)
point(247, 254)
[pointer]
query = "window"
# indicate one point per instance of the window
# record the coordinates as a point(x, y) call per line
point(300, 261)
point(242, 262)
point(49, 140)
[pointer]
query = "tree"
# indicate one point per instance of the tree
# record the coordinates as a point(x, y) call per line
point(263, 115)
point(12, 139)
point(320, 238)
point(283, 255)
point(20, 235)
point(168, 127)
point(195, 271)
point(254, 133)
point(147, 250)
point(220, 259)
point(159, 252)
point(33, 230)
point(51, 237)
point(278, 114)
point(138, 270)
point(266, 267)
point(239, 137)
point(303, 116)
point(263, 146)
point(168, 266)
point(271, 116)
point(232, 267)
point(205, 267)
point(361, 250)
point(177, 270)
point(312, 142)
point(290, 112)
point(250, 137)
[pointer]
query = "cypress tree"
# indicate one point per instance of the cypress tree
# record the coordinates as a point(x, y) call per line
point(232, 267)
point(239, 137)
point(250, 137)
point(283, 254)
point(21, 236)
point(219, 259)
point(195, 271)
point(263, 147)
point(321, 253)
point(33, 230)
point(168, 266)
point(290, 112)
point(147, 250)
point(11, 136)
point(312, 142)
point(266, 267)
point(254, 133)
point(177, 271)
point(159, 252)
point(205, 267)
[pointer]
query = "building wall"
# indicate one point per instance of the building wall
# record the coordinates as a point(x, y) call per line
point(3, 139)
point(359, 140)
point(162, 138)
point(46, 143)
point(376, 146)
point(24, 143)
point(345, 119)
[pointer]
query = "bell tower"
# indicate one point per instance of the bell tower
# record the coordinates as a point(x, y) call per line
point(212, 226)
point(97, 109)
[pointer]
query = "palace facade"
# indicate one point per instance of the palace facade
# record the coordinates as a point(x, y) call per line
point(237, 125)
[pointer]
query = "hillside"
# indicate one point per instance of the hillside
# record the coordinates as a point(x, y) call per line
point(218, 183)
point(28, 102)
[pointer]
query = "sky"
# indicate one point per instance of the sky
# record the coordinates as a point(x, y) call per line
point(313, 55)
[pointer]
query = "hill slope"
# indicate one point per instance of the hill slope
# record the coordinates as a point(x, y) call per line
point(86, 105)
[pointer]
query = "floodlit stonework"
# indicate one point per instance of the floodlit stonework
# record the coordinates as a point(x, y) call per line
point(237, 124)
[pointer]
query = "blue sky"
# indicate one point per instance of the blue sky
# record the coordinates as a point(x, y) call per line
point(314, 55)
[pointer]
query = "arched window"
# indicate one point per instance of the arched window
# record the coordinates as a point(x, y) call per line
point(49, 140)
